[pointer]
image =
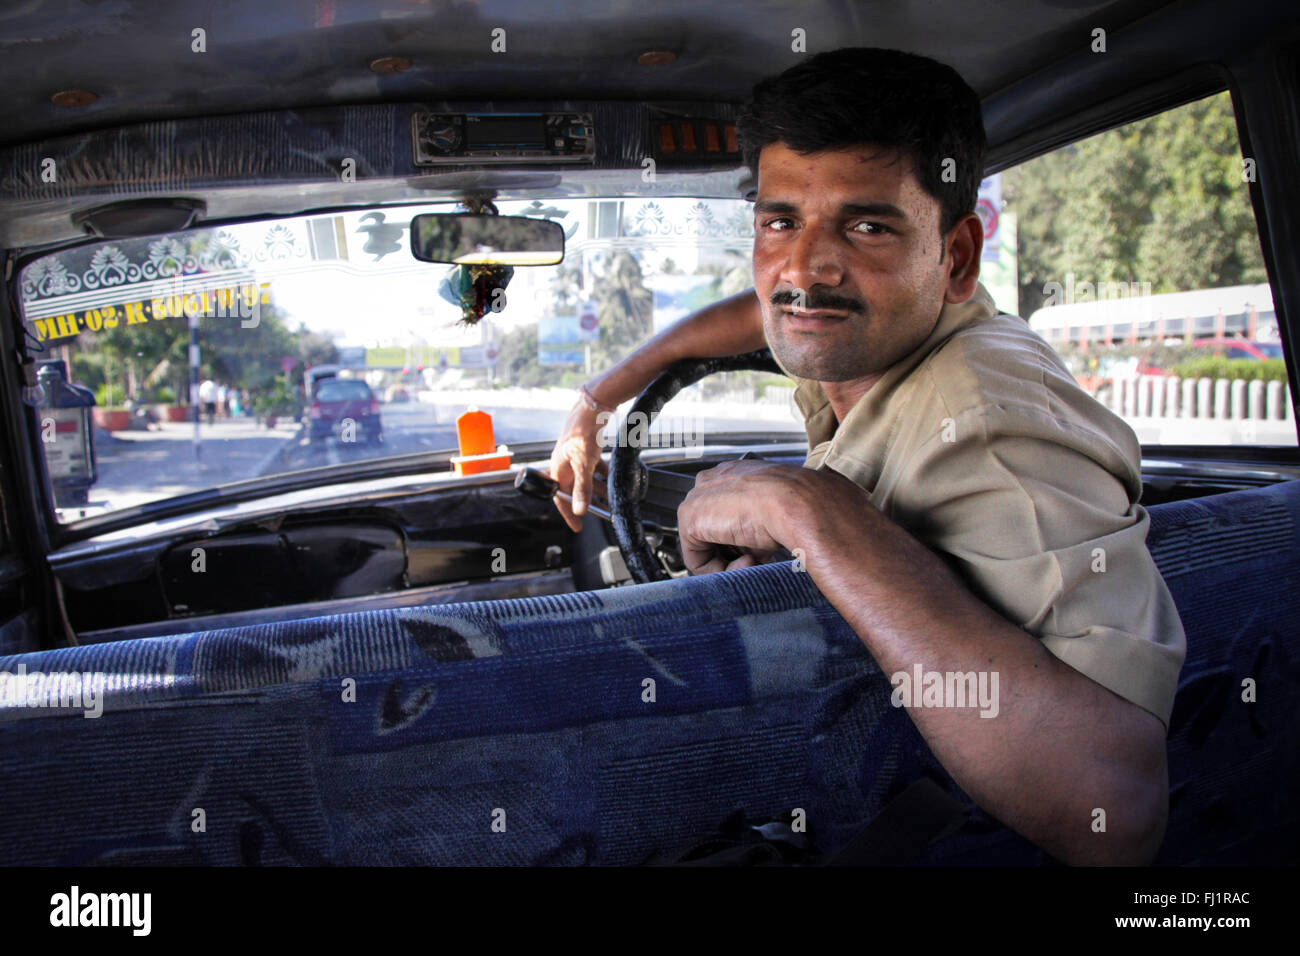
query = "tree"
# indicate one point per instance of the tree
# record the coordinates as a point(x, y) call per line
point(1161, 201)
point(517, 358)
point(1202, 231)
point(626, 309)
point(314, 348)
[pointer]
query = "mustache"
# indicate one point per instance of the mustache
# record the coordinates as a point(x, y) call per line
point(816, 301)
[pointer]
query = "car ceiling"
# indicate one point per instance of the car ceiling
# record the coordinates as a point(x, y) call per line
point(1028, 59)
point(137, 56)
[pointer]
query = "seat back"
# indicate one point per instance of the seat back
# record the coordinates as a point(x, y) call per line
point(1232, 563)
point(601, 727)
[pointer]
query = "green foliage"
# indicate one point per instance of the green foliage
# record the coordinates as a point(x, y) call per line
point(277, 398)
point(626, 309)
point(109, 396)
point(517, 359)
point(1101, 359)
point(1161, 200)
point(246, 357)
point(1212, 366)
point(314, 348)
point(87, 369)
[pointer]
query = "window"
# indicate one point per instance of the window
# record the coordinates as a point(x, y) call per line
point(342, 390)
point(1135, 254)
point(302, 310)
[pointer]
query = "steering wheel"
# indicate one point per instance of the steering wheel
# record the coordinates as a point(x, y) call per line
point(628, 478)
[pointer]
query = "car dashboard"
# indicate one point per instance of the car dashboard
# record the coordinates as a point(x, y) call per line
point(417, 540)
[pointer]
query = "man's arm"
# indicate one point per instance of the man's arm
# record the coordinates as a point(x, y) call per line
point(732, 326)
point(1060, 748)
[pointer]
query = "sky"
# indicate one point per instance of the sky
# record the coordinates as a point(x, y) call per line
point(394, 299)
point(350, 274)
point(369, 301)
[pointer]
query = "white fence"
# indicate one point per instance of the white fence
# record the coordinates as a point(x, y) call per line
point(1161, 409)
point(771, 395)
point(1165, 409)
point(1168, 396)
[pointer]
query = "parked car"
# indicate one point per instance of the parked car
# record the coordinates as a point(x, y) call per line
point(1240, 348)
point(340, 654)
point(344, 408)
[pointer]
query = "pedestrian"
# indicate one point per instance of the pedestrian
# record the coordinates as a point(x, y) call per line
point(208, 399)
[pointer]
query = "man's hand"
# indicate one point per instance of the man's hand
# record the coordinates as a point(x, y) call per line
point(575, 460)
point(740, 512)
point(731, 326)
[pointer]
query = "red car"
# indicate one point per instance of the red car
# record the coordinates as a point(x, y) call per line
point(1241, 348)
point(338, 401)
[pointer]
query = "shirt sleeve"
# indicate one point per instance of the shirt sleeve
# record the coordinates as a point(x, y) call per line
point(1047, 535)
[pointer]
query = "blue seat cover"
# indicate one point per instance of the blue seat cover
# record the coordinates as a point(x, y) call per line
point(533, 714)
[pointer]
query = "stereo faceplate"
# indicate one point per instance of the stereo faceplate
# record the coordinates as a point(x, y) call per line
point(440, 139)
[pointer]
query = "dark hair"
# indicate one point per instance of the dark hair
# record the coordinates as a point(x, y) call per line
point(866, 96)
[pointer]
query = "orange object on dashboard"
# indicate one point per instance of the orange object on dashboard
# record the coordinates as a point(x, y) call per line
point(478, 449)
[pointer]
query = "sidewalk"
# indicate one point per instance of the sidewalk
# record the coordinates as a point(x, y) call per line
point(138, 466)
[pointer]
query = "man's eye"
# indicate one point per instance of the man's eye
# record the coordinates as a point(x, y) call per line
point(782, 224)
point(873, 228)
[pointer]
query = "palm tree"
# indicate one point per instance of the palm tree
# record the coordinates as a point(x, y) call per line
point(626, 309)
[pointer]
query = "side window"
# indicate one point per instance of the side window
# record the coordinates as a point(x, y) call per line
point(1135, 254)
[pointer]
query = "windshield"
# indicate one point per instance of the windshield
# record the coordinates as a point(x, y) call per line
point(225, 354)
point(342, 391)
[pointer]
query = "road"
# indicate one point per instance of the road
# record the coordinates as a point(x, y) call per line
point(411, 427)
point(137, 466)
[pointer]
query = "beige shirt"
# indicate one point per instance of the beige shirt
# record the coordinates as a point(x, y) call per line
point(982, 445)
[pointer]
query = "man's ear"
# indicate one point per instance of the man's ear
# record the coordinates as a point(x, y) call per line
point(963, 245)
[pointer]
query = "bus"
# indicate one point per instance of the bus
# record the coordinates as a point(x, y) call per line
point(1107, 318)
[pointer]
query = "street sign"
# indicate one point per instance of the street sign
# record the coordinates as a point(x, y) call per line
point(588, 322)
point(989, 208)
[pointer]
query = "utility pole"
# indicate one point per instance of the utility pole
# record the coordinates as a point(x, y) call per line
point(194, 375)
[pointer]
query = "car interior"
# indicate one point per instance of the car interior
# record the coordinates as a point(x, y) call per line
point(354, 680)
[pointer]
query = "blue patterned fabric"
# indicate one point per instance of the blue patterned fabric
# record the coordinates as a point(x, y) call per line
point(533, 714)
point(1232, 563)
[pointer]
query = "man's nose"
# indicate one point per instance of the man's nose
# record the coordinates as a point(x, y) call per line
point(814, 259)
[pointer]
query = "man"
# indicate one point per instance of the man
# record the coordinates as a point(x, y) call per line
point(208, 398)
point(965, 506)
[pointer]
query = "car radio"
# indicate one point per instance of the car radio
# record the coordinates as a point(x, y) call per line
point(455, 138)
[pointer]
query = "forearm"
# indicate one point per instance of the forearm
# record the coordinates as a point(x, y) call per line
point(1059, 748)
point(729, 327)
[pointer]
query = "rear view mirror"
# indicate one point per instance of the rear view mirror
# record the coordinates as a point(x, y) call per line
point(471, 238)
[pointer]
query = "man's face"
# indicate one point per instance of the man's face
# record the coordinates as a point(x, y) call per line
point(854, 230)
